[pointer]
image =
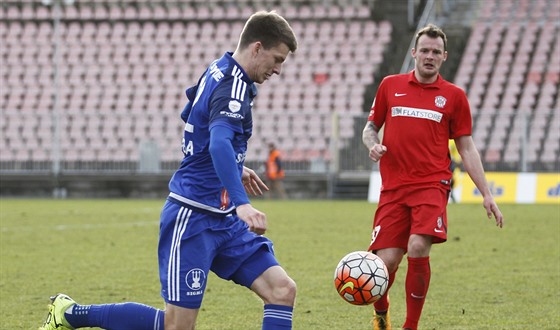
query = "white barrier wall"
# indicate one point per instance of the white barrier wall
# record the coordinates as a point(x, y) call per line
point(523, 188)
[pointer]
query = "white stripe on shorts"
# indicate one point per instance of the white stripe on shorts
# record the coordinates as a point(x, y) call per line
point(156, 321)
point(174, 266)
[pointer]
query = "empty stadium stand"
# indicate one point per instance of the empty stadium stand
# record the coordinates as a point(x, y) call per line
point(511, 72)
point(121, 68)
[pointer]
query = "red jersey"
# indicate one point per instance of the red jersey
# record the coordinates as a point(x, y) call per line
point(419, 120)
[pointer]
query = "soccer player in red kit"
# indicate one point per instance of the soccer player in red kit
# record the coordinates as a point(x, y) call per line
point(420, 112)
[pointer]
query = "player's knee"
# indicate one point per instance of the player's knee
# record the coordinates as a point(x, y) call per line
point(419, 246)
point(174, 324)
point(178, 318)
point(392, 265)
point(283, 292)
point(392, 258)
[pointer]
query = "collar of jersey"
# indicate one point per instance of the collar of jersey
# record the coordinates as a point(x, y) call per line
point(412, 80)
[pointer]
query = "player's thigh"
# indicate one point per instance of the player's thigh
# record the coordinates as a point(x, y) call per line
point(274, 286)
point(259, 269)
point(244, 257)
point(429, 214)
point(179, 318)
point(391, 226)
point(185, 253)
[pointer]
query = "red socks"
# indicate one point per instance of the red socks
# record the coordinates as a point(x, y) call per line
point(416, 287)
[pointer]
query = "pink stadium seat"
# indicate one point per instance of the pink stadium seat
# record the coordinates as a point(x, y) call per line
point(86, 12)
point(203, 13)
point(334, 12)
point(130, 13)
point(160, 12)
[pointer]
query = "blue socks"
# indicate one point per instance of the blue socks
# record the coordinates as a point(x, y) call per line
point(277, 317)
point(125, 316)
point(134, 316)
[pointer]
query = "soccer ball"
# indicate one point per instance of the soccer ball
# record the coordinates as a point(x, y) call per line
point(361, 278)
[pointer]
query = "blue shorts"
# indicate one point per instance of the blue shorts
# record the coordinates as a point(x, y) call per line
point(192, 243)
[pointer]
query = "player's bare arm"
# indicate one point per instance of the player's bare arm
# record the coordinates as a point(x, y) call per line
point(253, 217)
point(252, 183)
point(473, 166)
point(370, 138)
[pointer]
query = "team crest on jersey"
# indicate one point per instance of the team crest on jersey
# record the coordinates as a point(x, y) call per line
point(195, 279)
point(234, 105)
point(440, 101)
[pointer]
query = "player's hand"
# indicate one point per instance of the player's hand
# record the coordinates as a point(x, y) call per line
point(492, 209)
point(377, 151)
point(253, 217)
point(252, 183)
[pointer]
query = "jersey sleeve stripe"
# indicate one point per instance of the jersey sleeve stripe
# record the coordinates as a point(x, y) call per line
point(239, 86)
point(238, 89)
point(243, 89)
point(234, 88)
point(237, 72)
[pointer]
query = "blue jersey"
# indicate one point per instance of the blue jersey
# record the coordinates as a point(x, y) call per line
point(223, 96)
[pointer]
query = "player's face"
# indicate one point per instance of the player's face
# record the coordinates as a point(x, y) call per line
point(268, 61)
point(429, 55)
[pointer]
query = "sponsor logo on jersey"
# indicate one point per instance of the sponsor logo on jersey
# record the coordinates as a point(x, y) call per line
point(231, 115)
point(416, 113)
point(440, 101)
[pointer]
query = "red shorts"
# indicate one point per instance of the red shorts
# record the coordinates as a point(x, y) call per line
point(410, 210)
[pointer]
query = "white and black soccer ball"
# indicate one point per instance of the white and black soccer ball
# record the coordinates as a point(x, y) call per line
point(361, 278)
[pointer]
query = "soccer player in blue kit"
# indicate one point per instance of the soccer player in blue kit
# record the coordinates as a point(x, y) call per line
point(208, 223)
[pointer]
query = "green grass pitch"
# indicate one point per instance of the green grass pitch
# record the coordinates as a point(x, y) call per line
point(100, 251)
